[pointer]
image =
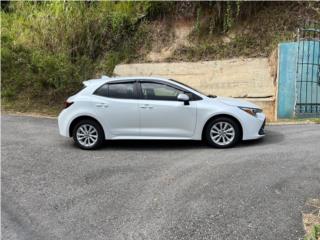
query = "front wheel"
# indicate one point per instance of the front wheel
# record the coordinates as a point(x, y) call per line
point(223, 132)
point(88, 134)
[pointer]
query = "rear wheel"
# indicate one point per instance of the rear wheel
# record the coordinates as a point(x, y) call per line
point(223, 132)
point(88, 134)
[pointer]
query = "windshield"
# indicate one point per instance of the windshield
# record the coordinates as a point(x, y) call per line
point(188, 86)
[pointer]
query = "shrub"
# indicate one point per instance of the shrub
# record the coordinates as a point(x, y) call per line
point(49, 48)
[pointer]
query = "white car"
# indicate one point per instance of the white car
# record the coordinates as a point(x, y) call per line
point(156, 108)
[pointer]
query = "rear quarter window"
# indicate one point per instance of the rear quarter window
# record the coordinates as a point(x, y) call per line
point(102, 91)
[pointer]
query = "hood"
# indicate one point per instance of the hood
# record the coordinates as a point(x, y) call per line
point(236, 102)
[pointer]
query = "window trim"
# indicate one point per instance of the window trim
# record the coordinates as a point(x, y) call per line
point(137, 90)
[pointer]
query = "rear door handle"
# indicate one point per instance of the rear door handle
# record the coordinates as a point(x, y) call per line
point(146, 106)
point(105, 105)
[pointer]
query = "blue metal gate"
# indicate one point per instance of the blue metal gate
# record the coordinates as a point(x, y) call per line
point(308, 71)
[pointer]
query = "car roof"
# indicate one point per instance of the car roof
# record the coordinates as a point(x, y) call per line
point(106, 79)
point(109, 79)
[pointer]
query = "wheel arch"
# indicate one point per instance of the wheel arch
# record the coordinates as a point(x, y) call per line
point(218, 116)
point(80, 118)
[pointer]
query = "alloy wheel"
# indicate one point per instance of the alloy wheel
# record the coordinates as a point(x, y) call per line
point(222, 133)
point(87, 135)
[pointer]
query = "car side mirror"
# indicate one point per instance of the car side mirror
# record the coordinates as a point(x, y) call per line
point(184, 98)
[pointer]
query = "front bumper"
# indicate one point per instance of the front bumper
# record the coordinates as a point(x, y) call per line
point(253, 127)
point(261, 131)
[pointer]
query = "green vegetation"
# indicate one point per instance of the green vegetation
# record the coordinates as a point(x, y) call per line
point(250, 29)
point(301, 120)
point(314, 234)
point(49, 48)
point(311, 219)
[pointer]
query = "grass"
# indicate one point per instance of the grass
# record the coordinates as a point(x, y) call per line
point(314, 233)
point(311, 219)
point(31, 107)
point(293, 120)
point(315, 120)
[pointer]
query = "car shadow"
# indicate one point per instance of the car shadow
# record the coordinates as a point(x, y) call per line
point(271, 137)
point(154, 145)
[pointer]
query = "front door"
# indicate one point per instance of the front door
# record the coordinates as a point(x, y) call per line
point(162, 115)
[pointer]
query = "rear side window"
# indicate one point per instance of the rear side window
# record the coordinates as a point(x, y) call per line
point(121, 90)
point(117, 90)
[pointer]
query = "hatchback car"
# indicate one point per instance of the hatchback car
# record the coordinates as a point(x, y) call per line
point(155, 108)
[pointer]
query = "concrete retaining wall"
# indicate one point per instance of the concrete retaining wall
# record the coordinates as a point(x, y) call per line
point(248, 78)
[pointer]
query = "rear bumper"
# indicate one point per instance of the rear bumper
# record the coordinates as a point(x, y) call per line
point(63, 124)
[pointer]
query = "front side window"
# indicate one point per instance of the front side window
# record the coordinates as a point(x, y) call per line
point(158, 91)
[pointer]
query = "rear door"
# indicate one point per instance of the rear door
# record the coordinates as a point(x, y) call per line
point(117, 104)
point(162, 115)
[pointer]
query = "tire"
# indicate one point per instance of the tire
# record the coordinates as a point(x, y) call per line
point(88, 134)
point(222, 132)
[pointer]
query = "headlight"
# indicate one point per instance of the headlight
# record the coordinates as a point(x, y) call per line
point(251, 111)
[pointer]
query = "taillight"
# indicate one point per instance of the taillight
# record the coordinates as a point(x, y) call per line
point(67, 104)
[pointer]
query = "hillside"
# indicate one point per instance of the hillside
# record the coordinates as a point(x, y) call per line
point(49, 48)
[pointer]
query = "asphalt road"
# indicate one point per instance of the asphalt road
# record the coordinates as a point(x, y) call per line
point(155, 189)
